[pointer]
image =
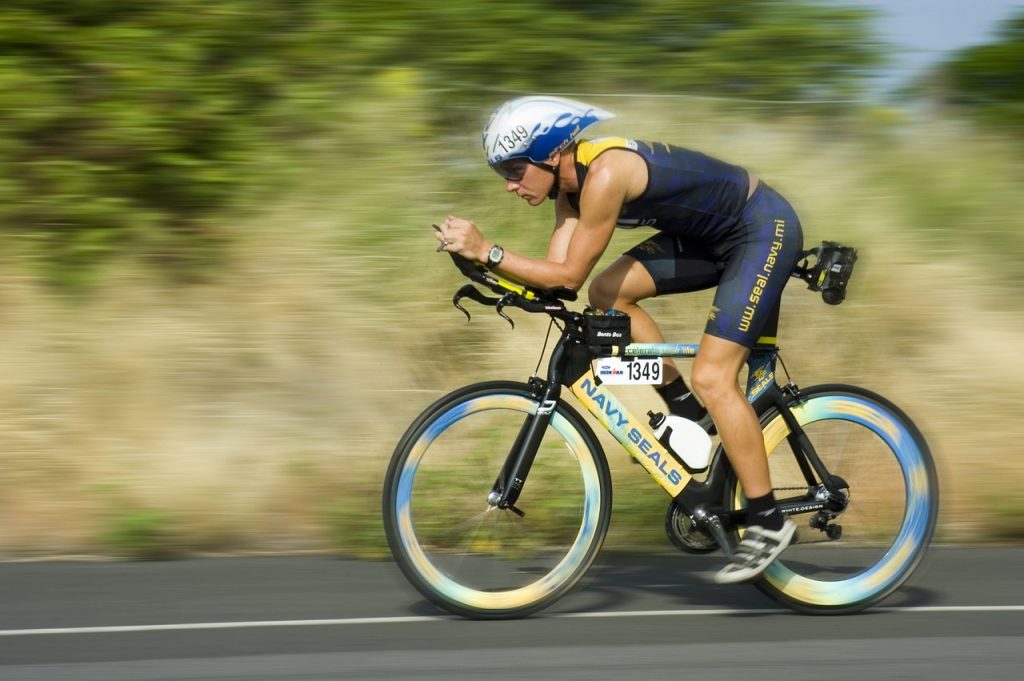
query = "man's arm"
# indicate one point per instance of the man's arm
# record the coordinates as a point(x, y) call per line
point(599, 208)
point(566, 219)
point(614, 178)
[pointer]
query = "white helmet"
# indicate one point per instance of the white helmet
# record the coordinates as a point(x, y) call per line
point(534, 128)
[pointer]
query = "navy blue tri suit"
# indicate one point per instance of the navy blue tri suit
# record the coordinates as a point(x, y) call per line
point(710, 233)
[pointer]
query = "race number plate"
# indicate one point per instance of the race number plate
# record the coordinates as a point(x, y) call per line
point(637, 371)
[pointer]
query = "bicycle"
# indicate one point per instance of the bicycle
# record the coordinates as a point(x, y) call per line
point(498, 496)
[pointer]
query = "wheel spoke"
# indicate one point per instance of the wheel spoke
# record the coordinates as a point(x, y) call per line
point(489, 561)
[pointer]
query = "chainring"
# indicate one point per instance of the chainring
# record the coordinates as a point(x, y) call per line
point(682, 531)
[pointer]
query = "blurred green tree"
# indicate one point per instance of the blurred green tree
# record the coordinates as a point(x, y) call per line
point(761, 49)
point(122, 126)
point(987, 80)
point(127, 127)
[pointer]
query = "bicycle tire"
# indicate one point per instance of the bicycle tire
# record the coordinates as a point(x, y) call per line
point(437, 458)
point(824, 579)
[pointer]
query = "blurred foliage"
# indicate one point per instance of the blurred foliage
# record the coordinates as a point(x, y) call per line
point(141, 533)
point(123, 126)
point(353, 529)
point(133, 128)
point(1007, 520)
point(768, 49)
point(987, 79)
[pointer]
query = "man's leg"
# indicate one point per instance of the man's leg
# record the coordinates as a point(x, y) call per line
point(715, 379)
point(626, 282)
point(768, 533)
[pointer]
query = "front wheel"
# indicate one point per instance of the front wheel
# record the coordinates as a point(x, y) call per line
point(477, 560)
point(850, 559)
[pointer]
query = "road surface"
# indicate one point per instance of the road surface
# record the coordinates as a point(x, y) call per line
point(314, 618)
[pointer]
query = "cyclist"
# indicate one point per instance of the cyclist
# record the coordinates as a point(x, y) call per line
point(717, 224)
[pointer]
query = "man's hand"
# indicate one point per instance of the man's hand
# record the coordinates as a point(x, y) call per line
point(462, 236)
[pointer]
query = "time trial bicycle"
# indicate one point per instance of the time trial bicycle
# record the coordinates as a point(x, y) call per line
point(498, 496)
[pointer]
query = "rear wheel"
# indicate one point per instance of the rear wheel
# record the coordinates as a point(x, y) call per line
point(848, 560)
point(476, 560)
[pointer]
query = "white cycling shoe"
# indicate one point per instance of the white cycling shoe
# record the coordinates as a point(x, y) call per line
point(755, 553)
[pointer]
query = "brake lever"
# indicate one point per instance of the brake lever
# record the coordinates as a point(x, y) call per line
point(505, 300)
point(470, 291)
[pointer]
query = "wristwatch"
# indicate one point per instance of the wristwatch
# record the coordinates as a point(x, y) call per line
point(494, 256)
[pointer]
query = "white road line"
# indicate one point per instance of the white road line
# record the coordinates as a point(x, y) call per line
point(703, 612)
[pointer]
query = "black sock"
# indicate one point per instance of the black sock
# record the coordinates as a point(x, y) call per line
point(764, 511)
point(681, 401)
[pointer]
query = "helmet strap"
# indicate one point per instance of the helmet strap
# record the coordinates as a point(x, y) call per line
point(553, 194)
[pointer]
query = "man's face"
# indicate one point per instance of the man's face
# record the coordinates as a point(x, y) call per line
point(527, 181)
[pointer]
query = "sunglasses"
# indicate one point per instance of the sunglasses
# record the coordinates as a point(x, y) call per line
point(512, 170)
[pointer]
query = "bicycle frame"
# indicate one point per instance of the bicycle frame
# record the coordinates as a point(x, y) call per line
point(570, 365)
point(634, 435)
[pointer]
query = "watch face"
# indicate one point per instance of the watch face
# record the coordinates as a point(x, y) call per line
point(495, 255)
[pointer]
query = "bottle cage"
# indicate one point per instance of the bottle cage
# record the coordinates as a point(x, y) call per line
point(831, 271)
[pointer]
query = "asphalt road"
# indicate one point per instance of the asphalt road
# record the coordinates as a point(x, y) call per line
point(316, 618)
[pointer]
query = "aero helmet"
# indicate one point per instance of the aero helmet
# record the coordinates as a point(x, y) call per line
point(534, 128)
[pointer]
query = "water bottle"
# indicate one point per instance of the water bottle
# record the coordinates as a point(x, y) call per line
point(684, 439)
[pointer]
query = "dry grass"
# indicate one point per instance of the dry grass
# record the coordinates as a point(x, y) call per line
point(259, 410)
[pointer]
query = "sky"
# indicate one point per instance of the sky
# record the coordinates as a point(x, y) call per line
point(925, 31)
